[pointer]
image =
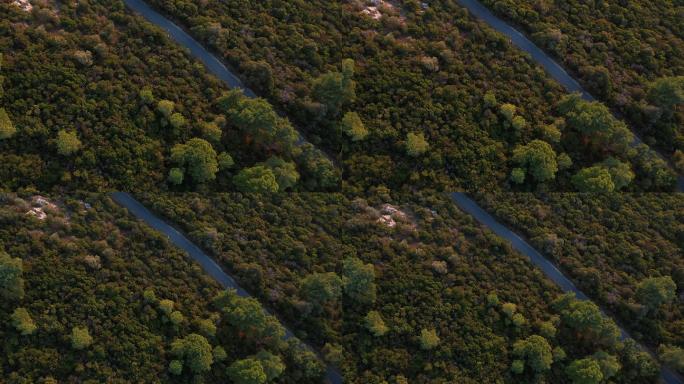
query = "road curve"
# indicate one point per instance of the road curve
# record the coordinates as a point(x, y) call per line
point(133, 206)
point(211, 62)
point(215, 66)
point(518, 39)
point(554, 69)
point(550, 270)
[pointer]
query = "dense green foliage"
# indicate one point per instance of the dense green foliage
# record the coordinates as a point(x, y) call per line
point(424, 97)
point(82, 110)
point(625, 53)
point(414, 290)
point(623, 250)
point(444, 100)
point(90, 313)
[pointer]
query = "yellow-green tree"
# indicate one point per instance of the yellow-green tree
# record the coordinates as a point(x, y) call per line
point(22, 321)
point(67, 142)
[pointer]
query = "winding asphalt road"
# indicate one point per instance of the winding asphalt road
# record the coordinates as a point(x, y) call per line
point(215, 66)
point(519, 40)
point(550, 270)
point(554, 69)
point(138, 210)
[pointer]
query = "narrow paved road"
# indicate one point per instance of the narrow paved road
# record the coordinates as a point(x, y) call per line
point(551, 66)
point(216, 67)
point(538, 55)
point(213, 64)
point(470, 206)
point(127, 201)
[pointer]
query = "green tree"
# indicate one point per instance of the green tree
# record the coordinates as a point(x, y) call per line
point(653, 292)
point(333, 353)
point(176, 176)
point(177, 120)
point(598, 81)
point(620, 173)
point(272, 364)
point(535, 351)
point(336, 89)
point(176, 318)
point(176, 367)
point(207, 327)
point(7, 128)
point(678, 160)
point(11, 281)
point(23, 322)
point(166, 306)
point(197, 158)
point(490, 100)
point(416, 144)
point(509, 309)
point(317, 168)
point(428, 339)
point(211, 131)
point(666, 93)
point(376, 324)
point(593, 179)
point(547, 329)
point(195, 351)
point(321, 288)
point(609, 364)
point(551, 133)
point(559, 354)
point(508, 111)
point(146, 96)
point(594, 122)
point(67, 142)
point(672, 356)
point(519, 123)
point(285, 172)
point(518, 367)
point(219, 353)
point(247, 317)
point(518, 175)
point(538, 158)
point(586, 319)
point(359, 280)
point(165, 108)
point(303, 363)
point(150, 296)
point(588, 118)
point(258, 178)
point(584, 371)
point(80, 338)
point(564, 161)
point(247, 371)
point(225, 161)
point(255, 117)
point(638, 365)
point(353, 126)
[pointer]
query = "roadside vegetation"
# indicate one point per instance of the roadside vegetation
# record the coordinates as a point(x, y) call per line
point(441, 100)
point(404, 289)
point(623, 250)
point(628, 54)
point(89, 294)
point(82, 110)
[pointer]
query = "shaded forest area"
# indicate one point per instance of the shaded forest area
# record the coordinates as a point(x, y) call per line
point(407, 290)
point(91, 295)
point(624, 250)
point(439, 100)
point(628, 54)
point(96, 99)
